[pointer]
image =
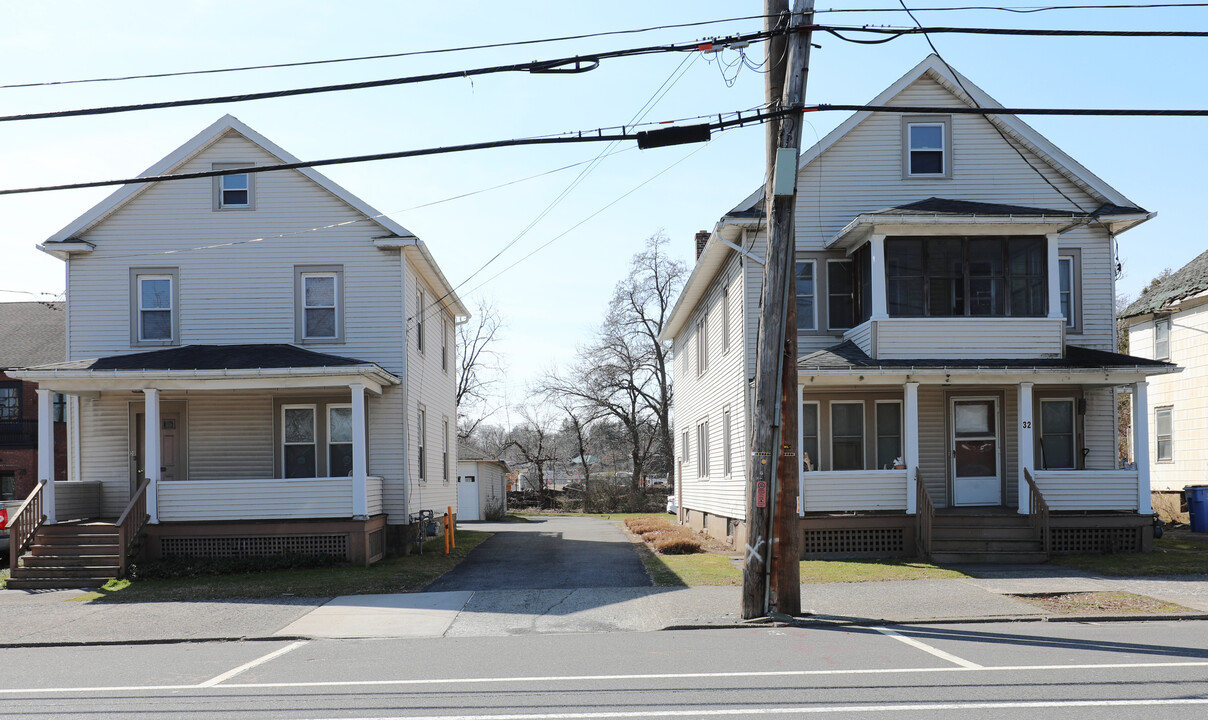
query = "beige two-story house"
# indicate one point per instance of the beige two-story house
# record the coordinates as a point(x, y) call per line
point(257, 363)
point(955, 276)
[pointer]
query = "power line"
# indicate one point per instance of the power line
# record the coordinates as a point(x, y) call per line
point(931, 109)
point(566, 65)
point(897, 32)
point(384, 56)
point(1023, 10)
point(625, 133)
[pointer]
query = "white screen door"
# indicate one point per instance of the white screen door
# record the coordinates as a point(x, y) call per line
point(976, 472)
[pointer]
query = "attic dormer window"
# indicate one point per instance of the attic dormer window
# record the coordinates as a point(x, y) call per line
point(927, 145)
point(236, 191)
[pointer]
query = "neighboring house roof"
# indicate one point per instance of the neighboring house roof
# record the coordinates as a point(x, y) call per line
point(213, 357)
point(848, 356)
point(1189, 281)
point(969, 93)
point(68, 238)
point(32, 333)
point(468, 452)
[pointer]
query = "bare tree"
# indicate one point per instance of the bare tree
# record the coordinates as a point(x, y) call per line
point(535, 441)
point(580, 416)
point(479, 367)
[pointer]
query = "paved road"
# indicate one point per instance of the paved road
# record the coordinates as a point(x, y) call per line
point(548, 554)
point(1009, 670)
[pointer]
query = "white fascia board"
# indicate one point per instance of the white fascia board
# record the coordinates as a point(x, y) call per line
point(64, 250)
point(191, 149)
point(710, 262)
point(372, 376)
point(425, 265)
point(857, 377)
point(856, 231)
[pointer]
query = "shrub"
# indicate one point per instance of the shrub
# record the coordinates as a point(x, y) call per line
point(680, 543)
point(182, 567)
point(640, 525)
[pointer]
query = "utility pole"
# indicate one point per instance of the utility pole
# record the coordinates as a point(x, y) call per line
point(773, 466)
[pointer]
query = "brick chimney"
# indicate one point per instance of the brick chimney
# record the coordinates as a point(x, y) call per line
point(702, 237)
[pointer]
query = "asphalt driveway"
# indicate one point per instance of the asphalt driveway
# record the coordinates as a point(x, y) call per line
point(548, 554)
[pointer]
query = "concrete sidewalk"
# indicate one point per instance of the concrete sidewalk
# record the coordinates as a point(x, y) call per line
point(36, 618)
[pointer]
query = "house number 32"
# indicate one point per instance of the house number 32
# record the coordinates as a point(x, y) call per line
point(1027, 423)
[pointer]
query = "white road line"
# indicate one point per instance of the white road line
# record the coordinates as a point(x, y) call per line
point(928, 649)
point(248, 666)
point(808, 710)
point(454, 681)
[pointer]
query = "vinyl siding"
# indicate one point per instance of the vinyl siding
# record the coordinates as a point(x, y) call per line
point(854, 490)
point(220, 500)
point(105, 449)
point(1088, 489)
point(1186, 393)
point(967, 338)
point(700, 398)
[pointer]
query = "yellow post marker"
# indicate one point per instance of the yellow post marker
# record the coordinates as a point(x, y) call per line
point(452, 528)
point(446, 533)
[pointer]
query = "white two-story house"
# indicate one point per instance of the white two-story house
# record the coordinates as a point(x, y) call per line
point(257, 363)
point(955, 278)
point(1170, 322)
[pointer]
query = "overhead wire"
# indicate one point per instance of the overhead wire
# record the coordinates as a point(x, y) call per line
point(1022, 10)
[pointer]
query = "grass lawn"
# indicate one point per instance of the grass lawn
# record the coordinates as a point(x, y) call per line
point(1170, 556)
point(410, 573)
point(618, 517)
point(829, 571)
point(1101, 603)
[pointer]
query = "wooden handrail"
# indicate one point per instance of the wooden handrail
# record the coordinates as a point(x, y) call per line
point(924, 516)
point(24, 524)
point(1038, 513)
point(134, 518)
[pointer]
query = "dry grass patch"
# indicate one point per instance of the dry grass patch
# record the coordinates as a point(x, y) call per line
point(1102, 603)
point(664, 537)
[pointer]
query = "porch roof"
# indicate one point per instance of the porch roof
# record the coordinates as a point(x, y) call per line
point(211, 367)
point(1079, 365)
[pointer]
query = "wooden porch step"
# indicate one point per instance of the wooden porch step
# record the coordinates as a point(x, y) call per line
point(51, 561)
point(997, 520)
point(74, 540)
point(982, 532)
point(83, 549)
point(974, 544)
point(86, 571)
point(55, 583)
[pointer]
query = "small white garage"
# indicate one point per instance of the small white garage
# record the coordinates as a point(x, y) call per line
point(481, 488)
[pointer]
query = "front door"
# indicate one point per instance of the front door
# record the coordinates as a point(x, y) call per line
point(169, 447)
point(976, 465)
point(467, 498)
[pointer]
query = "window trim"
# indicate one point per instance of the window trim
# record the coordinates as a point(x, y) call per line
point(817, 460)
point(1157, 437)
point(702, 449)
point(444, 343)
point(687, 448)
point(876, 421)
point(15, 386)
point(946, 151)
point(727, 445)
point(137, 274)
point(863, 433)
point(419, 320)
point(301, 272)
point(421, 431)
point(327, 435)
point(965, 278)
point(1162, 320)
point(446, 466)
point(1074, 255)
point(850, 260)
point(314, 430)
point(702, 344)
point(726, 328)
point(218, 205)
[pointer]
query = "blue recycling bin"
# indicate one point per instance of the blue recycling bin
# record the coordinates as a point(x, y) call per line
point(1197, 506)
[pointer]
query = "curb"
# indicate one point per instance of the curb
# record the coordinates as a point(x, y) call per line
point(835, 621)
point(157, 641)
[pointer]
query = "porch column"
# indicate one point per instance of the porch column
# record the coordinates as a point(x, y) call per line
point(46, 452)
point(1140, 424)
point(910, 443)
point(151, 450)
point(880, 307)
point(360, 493)
point(1054, 275)
point(1027, 452)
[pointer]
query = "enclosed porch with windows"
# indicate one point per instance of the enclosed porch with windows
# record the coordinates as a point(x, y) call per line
point(1023, 449)
point(219, 451)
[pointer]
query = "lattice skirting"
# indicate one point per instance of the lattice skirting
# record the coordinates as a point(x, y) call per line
point(854, 541)
point(259, 545)
point(1096, 539)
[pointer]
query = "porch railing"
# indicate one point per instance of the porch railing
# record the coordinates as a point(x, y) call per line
point(129, 525)
point(924, 516)
point(23, 526)
point(1038, 513)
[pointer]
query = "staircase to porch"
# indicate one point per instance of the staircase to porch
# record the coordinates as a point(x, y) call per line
point(78, 554)
point(984, 535)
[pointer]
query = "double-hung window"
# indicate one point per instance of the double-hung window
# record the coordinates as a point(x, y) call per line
point(444, 343)
point(1164, 432)
point(299, 441)
point(809, 436)
point(154, 298)
point(1057, 449)
point(725, 318)
point(421, 430)
point(702, 449)
point(235, 191)
point(806, 295)
point(1065, 273)
point(339, 440)
point(10, 402)
point(726, 443)
point(927, 151)
point(318, 308)
point(419, 320)
point(444, 451)
point(889, 433)
point(840, 294)
point(1161, 338)
point(847, 435)
point(702, 345)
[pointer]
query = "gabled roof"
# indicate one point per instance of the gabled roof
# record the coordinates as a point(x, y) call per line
point(68, 238)
point(32, 333)
point(213, 357)
point(848, 356)
point(1189, 281)
point(935, 68)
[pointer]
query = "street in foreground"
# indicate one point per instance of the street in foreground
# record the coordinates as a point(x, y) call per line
point(999, 670)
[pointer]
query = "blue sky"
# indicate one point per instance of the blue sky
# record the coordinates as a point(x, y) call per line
point(552, 301)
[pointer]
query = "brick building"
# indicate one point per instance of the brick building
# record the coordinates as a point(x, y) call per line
point(31, 333)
